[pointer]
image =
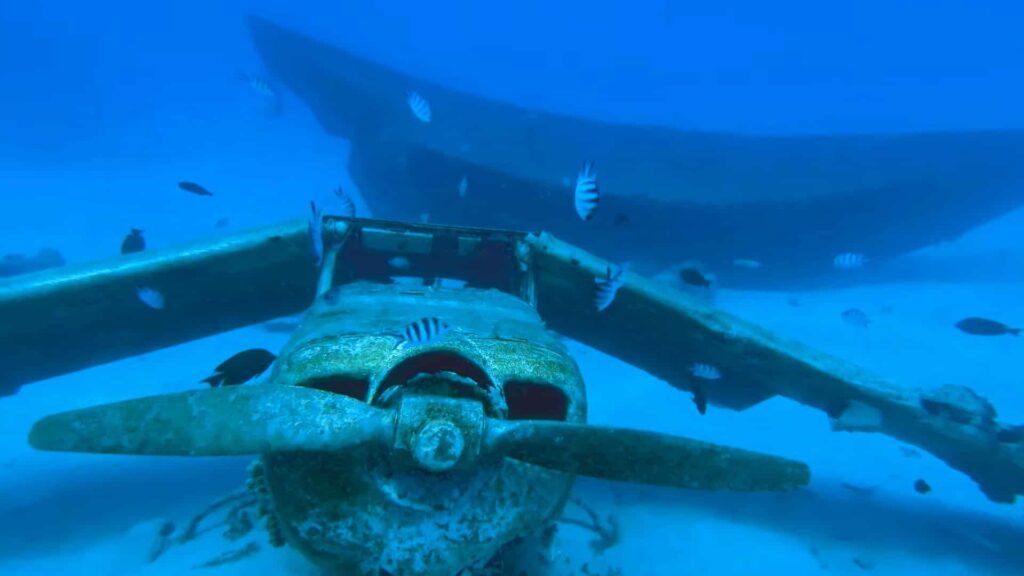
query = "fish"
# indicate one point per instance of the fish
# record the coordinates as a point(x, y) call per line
point(150, 297)
point(705, 371)
point(587, 194)
point(606, 288)
point(420, 107)
point(849, 260)
point(258, 85)
point(133, 242)
point(194, 189)
point(221, 223)
point(15, 264)
point(855, 317)
point(463, 187)
point(241, 368)
point(921, 487)
point(621, 218)
point(399, 262)
point(985, 327)
point(701, 372)
point(348, 207)
point(263, 88)
point(424, 331)
point(695, 277)
point(746, 263)
point(316, 234)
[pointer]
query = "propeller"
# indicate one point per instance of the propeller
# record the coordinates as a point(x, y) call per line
point(258, 419)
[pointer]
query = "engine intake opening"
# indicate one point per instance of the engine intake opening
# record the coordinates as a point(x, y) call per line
point(535, 401)
point(352, 387)
point(439, 363)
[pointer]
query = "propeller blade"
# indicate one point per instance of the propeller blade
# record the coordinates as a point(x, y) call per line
point(216, 422)
point(644, 457)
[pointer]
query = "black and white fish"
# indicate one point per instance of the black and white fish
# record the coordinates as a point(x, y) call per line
point(150, 297)
point(194, 188)
point(587, 194)
point(263, 88)
point(985, 327)
point(133, 242)
point(258, 85)
point(700, 373)
point(849, 260)
point(463, 186)
point(855, 317)
point(605, 288)
point(420, 107)
point(316, 234)
point(241, 368)
point(348, 207)
point(705, 371)
point(424, 331)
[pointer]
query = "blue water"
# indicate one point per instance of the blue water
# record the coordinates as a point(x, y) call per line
point(106, 105)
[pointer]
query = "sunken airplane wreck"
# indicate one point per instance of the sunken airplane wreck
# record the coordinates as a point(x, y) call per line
point(789, 203)
point(465, 446)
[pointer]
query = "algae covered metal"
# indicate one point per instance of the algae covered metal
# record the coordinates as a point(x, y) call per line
point(379, 453)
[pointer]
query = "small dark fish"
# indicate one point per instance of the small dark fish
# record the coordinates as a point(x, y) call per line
point(222, 222)
point(863, 564)
point(606, 288)
point(316, 234)
point(194, 189)
point(922, 487)
point(694, 277)
point(856, 317)
point(621, 218)
point(587, 194)
point(241, 368)
point(424, 331)
point(985, 327)
point(133, 242)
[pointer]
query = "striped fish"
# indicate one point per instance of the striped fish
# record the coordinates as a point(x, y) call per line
point(705, 371)
point(316, 234)
point(424, 331)
point(848, 260)
point(606, 288)
point(348, 207)
point(420, 107)
point(587, 194)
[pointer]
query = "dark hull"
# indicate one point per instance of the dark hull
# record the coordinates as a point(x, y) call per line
point(791, 203)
